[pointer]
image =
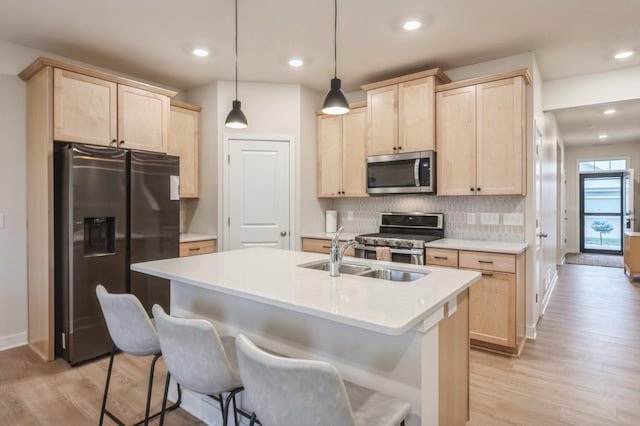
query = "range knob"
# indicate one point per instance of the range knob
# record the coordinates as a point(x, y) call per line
point(374, 242)
point(386, 243)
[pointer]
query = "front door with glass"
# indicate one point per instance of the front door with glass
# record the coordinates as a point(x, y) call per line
point(601, 213)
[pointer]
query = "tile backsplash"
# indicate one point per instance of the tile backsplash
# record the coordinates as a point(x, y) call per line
point(493, 218)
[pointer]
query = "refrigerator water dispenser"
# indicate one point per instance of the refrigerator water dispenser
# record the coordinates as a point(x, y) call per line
point(99, 236)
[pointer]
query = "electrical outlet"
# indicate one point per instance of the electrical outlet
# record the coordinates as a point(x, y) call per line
point(471, 218)
point(490, 218)
point(349, 215)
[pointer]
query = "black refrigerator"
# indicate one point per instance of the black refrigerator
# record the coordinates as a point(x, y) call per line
point(113, 207)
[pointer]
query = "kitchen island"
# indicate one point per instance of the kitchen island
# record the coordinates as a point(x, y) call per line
point(406, 339)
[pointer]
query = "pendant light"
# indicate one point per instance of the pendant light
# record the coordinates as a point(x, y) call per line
point(335, 103)
point(236, 118)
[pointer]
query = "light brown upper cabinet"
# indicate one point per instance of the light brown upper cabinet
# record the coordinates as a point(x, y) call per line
point(481, 135)
point(99, 110)
point(184, 143)
point(401, 113)
point(342, 154)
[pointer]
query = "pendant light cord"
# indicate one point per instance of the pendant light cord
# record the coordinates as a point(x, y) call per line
point(237, 50)
point(335, 39)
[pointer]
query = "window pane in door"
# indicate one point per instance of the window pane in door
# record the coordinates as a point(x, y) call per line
point(602, 195)
point(602, 233)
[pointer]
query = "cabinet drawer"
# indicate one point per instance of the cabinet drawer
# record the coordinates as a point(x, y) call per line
point(442, 257)
point(488, 261)
point(318, 245)
point(197, 247)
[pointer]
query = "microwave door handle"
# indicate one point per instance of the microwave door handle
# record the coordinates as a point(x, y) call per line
point(416, 172)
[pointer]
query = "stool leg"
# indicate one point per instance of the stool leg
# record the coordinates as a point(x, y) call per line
point(106, 385)
point(253, 419)
point(150, 388)
point(164, 398)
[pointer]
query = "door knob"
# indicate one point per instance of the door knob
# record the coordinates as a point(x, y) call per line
point(283, 233)
point(543, 235)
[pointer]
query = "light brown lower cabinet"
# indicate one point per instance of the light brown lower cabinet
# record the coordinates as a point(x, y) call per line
point(322, 245)
point(193, 248)
point(496, 301)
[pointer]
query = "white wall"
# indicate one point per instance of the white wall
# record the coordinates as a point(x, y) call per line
point(629, 150)
point(13, 206)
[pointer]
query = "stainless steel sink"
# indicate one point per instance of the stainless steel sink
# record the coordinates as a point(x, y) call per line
point(345, 268)
point(393, 274)
point(389, 274)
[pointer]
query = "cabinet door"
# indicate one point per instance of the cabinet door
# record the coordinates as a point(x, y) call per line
point(416, 115)
point(354, 153)
point(183, 142)
point(143, 119)
point(501, 137)
point(84, 109)
point(456, 141)
point(329, 155)
point(492, 309)
point(382, 120)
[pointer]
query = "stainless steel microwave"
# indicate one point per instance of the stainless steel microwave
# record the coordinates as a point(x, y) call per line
point(407, 173)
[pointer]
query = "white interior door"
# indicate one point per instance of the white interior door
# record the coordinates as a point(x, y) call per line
point(538, 274)
point(258, 194)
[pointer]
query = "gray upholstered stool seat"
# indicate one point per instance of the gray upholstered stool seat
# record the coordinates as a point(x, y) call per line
point(133, 332)
point(286, 391)
point(199, 359)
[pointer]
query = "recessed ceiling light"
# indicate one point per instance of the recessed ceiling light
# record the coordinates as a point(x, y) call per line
point(609, 111)
point(411, 25)
point(198, 51)
point(296, 62)
point(603, 136)
point(624, 54)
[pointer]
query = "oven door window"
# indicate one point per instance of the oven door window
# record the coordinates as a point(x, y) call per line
point(391, 174)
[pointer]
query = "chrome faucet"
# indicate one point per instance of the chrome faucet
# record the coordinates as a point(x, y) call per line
point(337, 253)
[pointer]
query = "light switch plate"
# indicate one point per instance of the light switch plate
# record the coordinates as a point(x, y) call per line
point(513, 219)
point(1, 220)
point(490, 218)
point(471, 218)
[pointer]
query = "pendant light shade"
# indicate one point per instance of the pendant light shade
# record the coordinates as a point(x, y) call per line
point(335, 103)
point(236, 118)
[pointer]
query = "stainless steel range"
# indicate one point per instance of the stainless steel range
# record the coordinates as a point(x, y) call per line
point(405, 234)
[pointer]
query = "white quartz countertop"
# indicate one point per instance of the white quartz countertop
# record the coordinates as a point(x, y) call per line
point(344, 236)
point(191, 237)
point(477, 245)
point(271, 276)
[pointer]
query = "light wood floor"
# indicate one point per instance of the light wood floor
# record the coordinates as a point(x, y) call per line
point(583, 369)
point(584, 366)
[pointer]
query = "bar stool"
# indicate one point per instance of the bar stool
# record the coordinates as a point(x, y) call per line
point(286, 391)
point(199, 359)
point(132, 332)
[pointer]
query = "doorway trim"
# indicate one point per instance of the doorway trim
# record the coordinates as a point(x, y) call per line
point(227, 139)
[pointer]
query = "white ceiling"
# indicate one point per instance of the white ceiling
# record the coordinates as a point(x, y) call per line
point(152, 39)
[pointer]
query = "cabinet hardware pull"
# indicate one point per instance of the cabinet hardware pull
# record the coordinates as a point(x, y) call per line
point(122, 142)
point(326, 247)
point(487, 274)
point(472, 189)
point(114, 141)
point(440, 257)
point(399, 147)
point(485, 261)
point(394, 148)
point(194, 248)
point(478, 189)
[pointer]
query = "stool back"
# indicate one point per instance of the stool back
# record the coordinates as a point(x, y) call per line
point(129, 325)
point(194, 354)
point(292, 391)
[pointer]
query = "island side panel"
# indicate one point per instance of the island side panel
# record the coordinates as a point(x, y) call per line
point(454, 363)
point(389, 364)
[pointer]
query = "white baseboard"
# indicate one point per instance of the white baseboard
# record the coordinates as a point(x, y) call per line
point(13, 341)
point(531, 332)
